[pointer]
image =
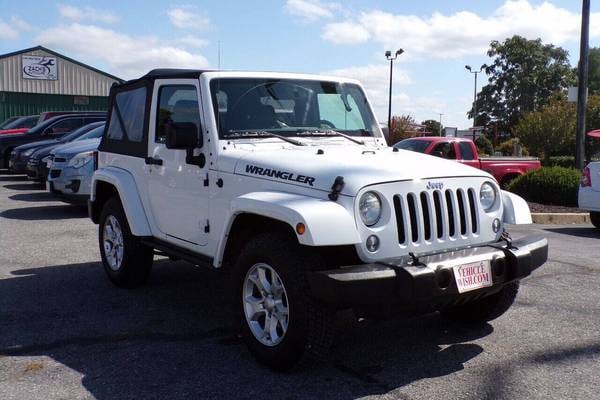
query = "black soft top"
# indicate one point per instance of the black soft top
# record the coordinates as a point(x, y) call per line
point(163, 73)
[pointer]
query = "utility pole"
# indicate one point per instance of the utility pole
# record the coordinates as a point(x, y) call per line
point(583, 84)
point(388, 55)
point(441, 123)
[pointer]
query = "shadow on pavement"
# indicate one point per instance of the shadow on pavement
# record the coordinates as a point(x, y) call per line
point(26, 186)
point(45, 213)
point(173, 339)
point(590, 232)
point(33, 197)
point(12, 178)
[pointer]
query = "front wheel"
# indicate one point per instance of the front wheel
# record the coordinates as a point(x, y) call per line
point(281, 323)
point(126, 261)
point(595, 218)
point(485, 309)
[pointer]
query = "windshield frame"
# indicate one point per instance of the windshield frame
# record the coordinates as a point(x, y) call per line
point(366, 113)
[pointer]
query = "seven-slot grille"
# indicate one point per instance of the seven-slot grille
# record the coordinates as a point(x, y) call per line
point(436, 215)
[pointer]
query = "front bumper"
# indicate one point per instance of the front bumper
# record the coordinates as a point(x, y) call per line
point(17, 165)
point(37, 170)
point(428, 284)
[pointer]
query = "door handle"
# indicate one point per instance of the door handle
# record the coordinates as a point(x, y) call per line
point(153, 161)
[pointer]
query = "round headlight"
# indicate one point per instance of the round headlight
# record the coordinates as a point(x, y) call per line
point(369, 208)
point(487, 196)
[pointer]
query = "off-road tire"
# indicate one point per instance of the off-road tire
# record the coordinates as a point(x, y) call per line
point(485, 309)
point(311, 324)
point(137, 258)
point(595, 218)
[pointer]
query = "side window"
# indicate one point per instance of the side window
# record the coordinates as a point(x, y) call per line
point(63, 126)
point(444, 150)
point(177, 104)
point(466, 151)
point(127, 116)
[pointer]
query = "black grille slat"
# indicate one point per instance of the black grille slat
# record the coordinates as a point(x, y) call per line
point(461, 212)
point(59, 159)
point(426, 216)
point(399, 220)
point(412, 213)
point(450, 208)
point(473, 209)
point(55, 173)
point(439, 221)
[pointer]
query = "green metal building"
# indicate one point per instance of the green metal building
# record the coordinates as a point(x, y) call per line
point(38, 79)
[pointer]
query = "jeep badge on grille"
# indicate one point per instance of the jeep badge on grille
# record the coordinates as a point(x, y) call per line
point(435, 185)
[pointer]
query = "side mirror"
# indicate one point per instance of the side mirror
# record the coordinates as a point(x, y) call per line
point(183, 135)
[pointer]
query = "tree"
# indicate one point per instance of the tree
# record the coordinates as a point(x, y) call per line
point(549, 131)
point(433, 126)
point(522, 77)
point(403, 127)
point(594, 71)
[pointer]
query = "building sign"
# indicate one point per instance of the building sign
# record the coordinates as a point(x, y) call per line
point(39, 67)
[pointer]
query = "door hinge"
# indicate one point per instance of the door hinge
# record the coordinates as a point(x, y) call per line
point(207, 227)
point(206, 180)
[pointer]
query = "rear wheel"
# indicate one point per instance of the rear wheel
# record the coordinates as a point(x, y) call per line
point(126, 261)
point(595, 218)
point(485, 309)
point(280, 322)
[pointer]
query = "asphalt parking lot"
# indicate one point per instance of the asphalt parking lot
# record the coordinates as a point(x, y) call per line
point(66, 332)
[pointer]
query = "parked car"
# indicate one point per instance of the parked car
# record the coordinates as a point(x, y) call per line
point(53, 128)
point(36, 164)
point(8, 121)
point(19, 125)
point(50, 114)
point(589, 188)
point(463, 150)
point(286, 182)
point(71, 168)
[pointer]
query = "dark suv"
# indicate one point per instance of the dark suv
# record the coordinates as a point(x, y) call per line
point(52, 128)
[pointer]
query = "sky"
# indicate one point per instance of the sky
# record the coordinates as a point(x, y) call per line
point(346, 38)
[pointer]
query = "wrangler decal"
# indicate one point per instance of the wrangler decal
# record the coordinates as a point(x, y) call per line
point(288, 176)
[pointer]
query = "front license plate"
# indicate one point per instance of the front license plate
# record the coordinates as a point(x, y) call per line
point(472, 276)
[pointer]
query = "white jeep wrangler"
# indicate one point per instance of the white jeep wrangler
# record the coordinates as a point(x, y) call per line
point(285, 181)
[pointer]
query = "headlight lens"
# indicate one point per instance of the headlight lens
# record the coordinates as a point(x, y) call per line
point(28, 152)
point(369, 207)
point(487, 196)
point(81, 159)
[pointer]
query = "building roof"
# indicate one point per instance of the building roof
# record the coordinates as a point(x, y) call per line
point(54, 53)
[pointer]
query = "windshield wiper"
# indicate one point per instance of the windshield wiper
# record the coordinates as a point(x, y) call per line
point(330, 133)
point(261, 134)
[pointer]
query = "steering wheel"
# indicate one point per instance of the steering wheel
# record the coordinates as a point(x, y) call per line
point(323, 123)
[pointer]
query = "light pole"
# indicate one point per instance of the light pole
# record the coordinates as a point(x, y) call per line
point(388, 55)
point(468, 67)
point(440, 123)
point(584, 48)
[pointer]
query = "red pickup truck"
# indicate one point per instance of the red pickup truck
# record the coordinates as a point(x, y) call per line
point(504, 169)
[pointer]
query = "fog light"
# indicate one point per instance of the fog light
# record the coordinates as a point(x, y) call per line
point(372, 243)
point(496, 225)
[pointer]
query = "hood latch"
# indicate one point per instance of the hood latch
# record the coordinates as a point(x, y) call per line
point(336, 188)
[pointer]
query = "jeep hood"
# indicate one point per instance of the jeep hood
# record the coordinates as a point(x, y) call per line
point(360, 166)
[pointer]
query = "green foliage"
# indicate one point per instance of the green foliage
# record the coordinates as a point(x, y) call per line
point(432, 126)
point(561, 161)
point(484, 145)
point(522, 77)
point(507, 148)
point(548, 185)
point(549, 131)
point(594, 71)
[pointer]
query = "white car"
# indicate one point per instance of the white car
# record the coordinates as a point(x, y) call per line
point(589, 192)
point(285, 182)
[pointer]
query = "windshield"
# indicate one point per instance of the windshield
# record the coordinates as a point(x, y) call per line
point(21, 122)
point(413, 145)
point(289, 107)
point(78, 132)
point(93, 134)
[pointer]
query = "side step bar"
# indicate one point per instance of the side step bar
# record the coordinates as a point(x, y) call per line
point(177, 251)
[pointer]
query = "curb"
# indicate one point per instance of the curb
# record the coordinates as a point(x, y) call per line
point(560, 218)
